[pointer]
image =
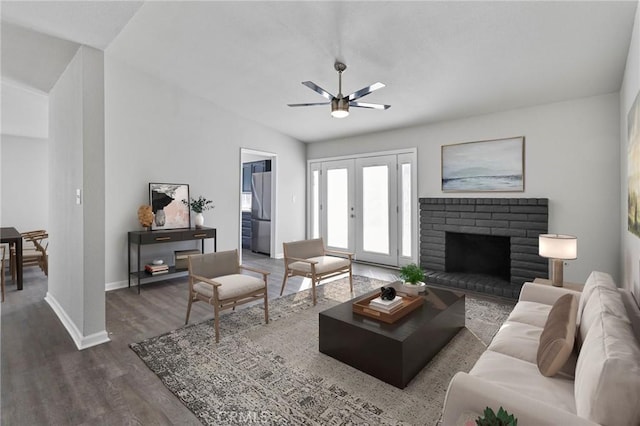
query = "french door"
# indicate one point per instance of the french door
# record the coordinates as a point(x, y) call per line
point(366, 205)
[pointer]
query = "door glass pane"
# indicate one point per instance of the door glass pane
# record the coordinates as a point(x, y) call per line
point(337, 208)
point(406, 209)
point(315, 204)
point(375, 209)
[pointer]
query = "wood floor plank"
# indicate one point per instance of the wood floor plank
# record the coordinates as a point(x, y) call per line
point(47, 381)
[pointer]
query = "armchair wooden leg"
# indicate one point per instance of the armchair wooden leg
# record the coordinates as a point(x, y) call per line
point(188, 309)
point(266, 306)
point(216, 318)
point(351, 278)
point(284, 281)
point(313, 288)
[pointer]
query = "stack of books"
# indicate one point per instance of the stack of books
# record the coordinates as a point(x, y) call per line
point(156, 269)
point(387, 306)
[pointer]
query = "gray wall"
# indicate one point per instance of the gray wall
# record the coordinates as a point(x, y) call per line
point(76, 161)
point(158, 133)
point(569, 159)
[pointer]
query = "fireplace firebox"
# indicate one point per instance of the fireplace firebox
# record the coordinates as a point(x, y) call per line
point(478, 254)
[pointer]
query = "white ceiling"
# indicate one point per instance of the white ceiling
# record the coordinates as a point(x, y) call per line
point(439, 60)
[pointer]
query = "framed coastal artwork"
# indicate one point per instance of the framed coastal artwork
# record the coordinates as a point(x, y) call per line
point(485, 166)
point(168, 209)
point(633, 167)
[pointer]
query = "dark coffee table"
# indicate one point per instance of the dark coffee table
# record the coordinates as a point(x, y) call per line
point(394, 353)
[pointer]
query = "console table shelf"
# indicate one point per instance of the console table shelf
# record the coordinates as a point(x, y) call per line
point(141, 238)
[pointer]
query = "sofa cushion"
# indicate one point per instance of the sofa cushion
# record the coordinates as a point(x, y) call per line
point(558, 336)
point(607, 383)
point(602, 299)
point(518, 340)
point(533, 313)
point(523, 378)
point(596, 279)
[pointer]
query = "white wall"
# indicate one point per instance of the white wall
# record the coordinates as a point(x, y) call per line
point(76, 161)
point(568, 159)
point(25, 112)
point(24, 177)
point(628, 92)
point(24, 196)
point(157, 133)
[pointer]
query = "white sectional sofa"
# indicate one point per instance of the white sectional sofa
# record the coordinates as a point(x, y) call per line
point(598, 384)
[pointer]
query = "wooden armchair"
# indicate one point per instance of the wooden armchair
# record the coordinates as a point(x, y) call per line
point(310, 259)
point(216, 278)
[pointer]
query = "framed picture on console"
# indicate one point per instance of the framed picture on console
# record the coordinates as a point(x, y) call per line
point(485, 166)
point(168, 209)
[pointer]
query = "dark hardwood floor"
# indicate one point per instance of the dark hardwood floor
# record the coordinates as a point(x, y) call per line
point(47, 381)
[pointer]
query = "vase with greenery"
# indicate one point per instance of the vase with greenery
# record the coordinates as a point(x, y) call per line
point(199, 205)
point(413, 277)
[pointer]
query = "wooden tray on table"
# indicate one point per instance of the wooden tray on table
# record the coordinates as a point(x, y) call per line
point(410, 304)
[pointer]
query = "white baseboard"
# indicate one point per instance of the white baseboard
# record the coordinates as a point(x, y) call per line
point(82, 342)
point(116, 285)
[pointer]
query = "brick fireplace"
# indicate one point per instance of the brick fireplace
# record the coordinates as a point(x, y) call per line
point(488, 245)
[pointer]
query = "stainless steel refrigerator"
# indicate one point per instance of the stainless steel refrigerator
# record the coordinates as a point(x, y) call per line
point(261, 212)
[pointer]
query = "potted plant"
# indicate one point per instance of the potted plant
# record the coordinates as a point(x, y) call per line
point(199, 205)
point(492, 419)
point(413, 277)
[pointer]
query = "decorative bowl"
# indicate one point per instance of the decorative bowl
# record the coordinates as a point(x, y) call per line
point(158, 262)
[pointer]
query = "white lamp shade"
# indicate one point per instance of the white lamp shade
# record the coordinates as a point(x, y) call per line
point(557, 246)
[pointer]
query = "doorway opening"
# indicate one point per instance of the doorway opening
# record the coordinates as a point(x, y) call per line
point(257, 202)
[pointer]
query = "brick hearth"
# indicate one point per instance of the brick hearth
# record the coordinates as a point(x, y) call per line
point(521, 219)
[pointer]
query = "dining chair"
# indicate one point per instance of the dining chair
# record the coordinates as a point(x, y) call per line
point(34, 251)
point(2, 277)
point(216, 278)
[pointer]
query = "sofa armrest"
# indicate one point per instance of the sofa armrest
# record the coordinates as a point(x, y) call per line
point(471, 394)
point(540, 293)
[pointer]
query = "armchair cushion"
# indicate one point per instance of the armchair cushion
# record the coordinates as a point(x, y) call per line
point(230, 286)
point(325, 264)
point(215, 264)
point(305, 249)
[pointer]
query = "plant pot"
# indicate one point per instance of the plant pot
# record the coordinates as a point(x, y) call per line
point(414, 289)
point(199, 220)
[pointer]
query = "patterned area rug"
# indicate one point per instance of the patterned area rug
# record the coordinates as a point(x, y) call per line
point(274, 374)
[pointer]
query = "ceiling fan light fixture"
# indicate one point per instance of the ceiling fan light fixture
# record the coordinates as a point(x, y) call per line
point(339, 107)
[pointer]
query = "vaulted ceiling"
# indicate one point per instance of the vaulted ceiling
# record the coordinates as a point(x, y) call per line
point(439, 60)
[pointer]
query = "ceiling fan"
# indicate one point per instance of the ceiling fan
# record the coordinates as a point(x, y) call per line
point(340, 104)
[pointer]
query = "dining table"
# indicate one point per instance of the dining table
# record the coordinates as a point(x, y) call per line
point(11, 236)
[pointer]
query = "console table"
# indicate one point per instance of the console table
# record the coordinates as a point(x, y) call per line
point(141, 238)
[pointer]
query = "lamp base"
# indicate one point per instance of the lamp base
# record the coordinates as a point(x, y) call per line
point(556, 273)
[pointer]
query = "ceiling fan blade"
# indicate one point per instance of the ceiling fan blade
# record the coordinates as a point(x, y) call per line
point(311, 85)
point(366, 105)
point(313, 104)
point(365, 91)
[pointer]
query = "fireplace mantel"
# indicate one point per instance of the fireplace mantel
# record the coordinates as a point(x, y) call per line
point(520, 219)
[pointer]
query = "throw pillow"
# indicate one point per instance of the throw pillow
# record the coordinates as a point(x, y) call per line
point(558, 336)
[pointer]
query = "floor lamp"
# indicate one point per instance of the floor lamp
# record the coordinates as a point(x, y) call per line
point(558, 248)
